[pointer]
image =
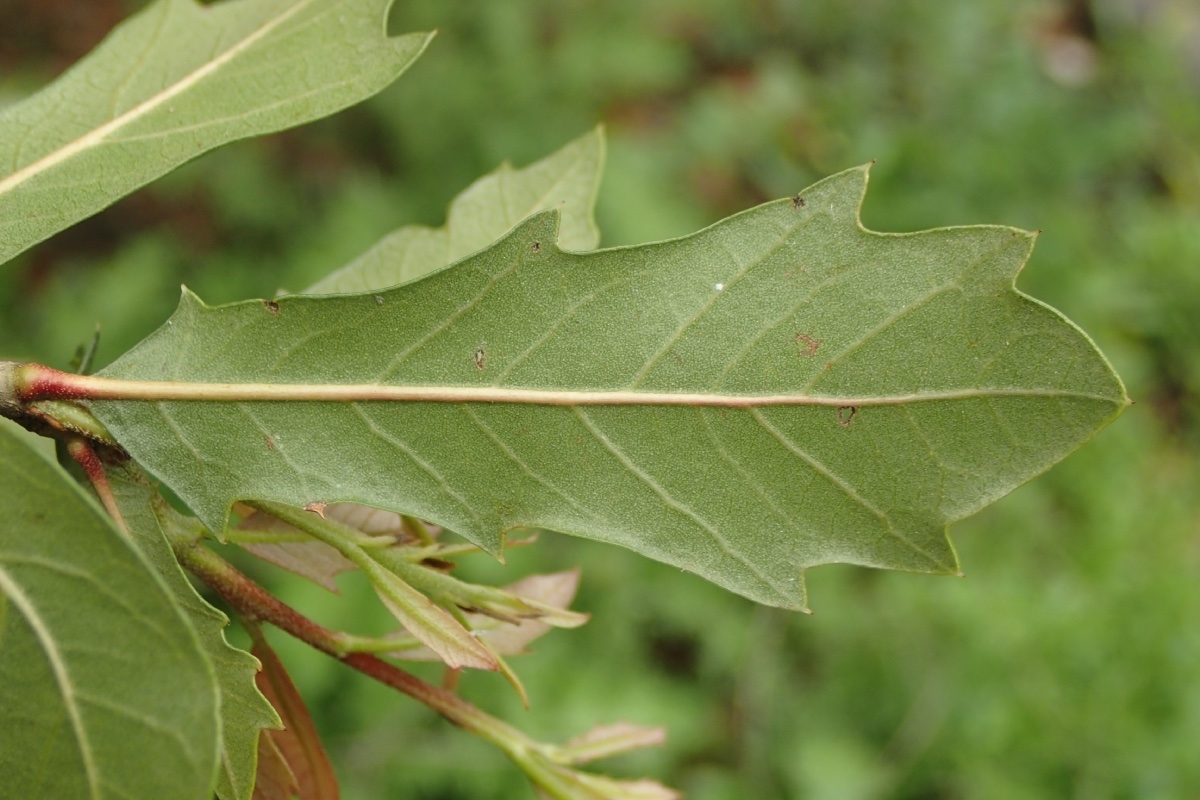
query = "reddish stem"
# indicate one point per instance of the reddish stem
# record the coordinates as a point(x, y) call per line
point(256, 603)
point(85, 456)
point(38, 382)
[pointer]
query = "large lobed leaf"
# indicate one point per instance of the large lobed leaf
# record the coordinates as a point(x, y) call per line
point(175, 81)
point(105, 691)
point(925, 387)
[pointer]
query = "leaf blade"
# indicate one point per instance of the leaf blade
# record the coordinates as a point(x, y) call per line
point(177, 80)
point(137, 695)
point(244, 710)
point(791, 298)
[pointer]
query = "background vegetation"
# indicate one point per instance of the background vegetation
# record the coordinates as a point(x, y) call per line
point(1067, 663)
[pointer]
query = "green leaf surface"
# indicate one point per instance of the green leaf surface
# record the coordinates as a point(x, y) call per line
point(486, 210)
point(244, 710)
point(105, 691)
point(919, 386)
point(177, 80)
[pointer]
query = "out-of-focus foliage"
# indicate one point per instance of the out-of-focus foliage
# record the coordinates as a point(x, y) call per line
point(1067, 663)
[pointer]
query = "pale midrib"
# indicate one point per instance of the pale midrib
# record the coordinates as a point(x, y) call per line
point(98, 135)
point(10, 589)
point(98, 388)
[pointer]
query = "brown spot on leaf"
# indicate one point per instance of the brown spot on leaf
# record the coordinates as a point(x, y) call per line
point(537, 247)
point(272, 307)
point(807, 345)
point(270, 444)
point(799, 202)
point(480, 358)
point(317, 507)
point(846, 415)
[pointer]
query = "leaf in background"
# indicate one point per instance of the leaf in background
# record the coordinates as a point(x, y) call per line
point(298, 742)
point(177, 80)
point(105, 691)
point(274, 779)
point(316, 561)
point(244, 711)
point(563, 783)
point(486, 210)
point(919, 386)
point(605, 741)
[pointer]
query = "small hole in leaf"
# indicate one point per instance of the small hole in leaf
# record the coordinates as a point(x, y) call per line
point(846, 415)
point(480, 358)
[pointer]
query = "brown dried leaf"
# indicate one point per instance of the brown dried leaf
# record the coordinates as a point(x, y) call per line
point(273, 779)
point(298, 743)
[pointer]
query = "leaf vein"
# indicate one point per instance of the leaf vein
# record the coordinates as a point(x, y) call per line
point(670, 501)
point(427, 467)
point(448, 321)
point(103, 588)
point(102, 132)
point(845, 487)
point(523, 466)
point(62, 675)
point(139, 60)
point(747, 475)
point(280, 449)
point(555, 327)
point(712, 298)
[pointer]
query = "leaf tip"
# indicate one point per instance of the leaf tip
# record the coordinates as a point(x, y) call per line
point(189, 298)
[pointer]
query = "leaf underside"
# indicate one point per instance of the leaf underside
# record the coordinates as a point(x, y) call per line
point(244, 710)
point(956, 389)
point(175, 81)
point(104, 689)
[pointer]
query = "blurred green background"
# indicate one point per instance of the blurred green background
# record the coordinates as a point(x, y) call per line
point(1066, 664)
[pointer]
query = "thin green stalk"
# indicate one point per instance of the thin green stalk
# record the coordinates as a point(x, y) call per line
point(424, 618)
